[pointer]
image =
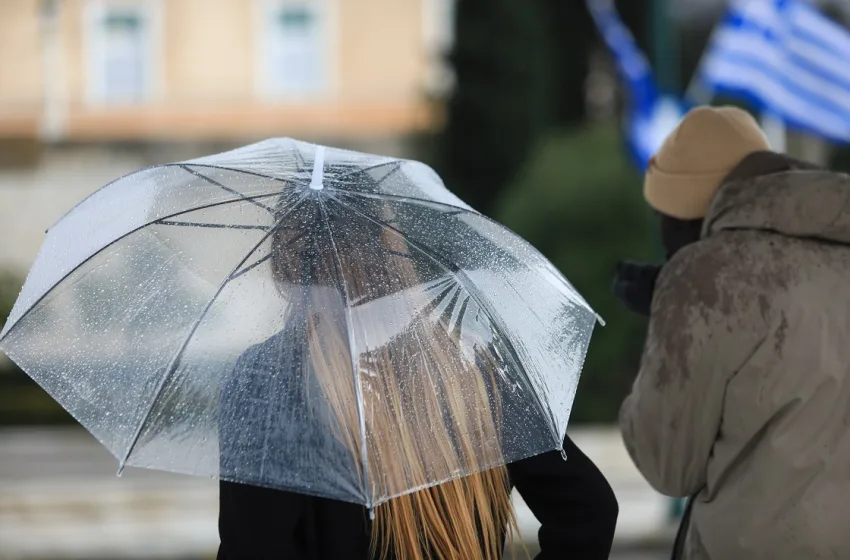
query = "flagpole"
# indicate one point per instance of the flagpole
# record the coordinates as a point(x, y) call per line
point(696, 92)
point(664, 50)
point(774, 128)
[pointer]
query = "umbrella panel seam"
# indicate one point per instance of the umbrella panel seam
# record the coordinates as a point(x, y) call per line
point(113, 242)
point(409, 199)
point(225, 188)
point(354, 367)
point(469, 286)
point(172, 367)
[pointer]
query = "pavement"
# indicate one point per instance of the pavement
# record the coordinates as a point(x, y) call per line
point(60, 499)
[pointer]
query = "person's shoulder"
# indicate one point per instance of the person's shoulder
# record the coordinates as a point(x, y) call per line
point(728, 274)
point(263, 351)
point(695, 271)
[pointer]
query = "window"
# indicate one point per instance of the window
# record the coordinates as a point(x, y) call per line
point(120, 52)
point(294, 49)
point(438, 32)
point(439, 22)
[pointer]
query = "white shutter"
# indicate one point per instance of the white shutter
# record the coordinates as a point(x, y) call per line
point(120, 57)
point(295, 55)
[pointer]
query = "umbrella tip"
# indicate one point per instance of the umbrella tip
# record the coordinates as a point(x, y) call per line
point(563, 454)
point(317, 180)
point(120, 469)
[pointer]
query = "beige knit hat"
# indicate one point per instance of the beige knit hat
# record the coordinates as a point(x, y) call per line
point(707, 144)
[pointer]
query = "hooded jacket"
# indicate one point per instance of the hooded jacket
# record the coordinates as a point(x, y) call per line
point(743, 395)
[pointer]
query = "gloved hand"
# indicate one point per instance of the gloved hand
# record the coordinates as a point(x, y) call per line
point(634, 284)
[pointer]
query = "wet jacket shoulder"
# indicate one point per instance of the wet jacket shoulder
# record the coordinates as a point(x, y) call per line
point(741, 398)
point(707, 319)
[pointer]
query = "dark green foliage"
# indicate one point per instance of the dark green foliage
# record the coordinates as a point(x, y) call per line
point(498, 108)
point(21, 400)
point(636, 15)
point(580, 203)
point(570, 35)
point(10, 285)
point(693, 40)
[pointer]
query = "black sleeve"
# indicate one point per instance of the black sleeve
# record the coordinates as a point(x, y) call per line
point(257, 523)
point(572, 500)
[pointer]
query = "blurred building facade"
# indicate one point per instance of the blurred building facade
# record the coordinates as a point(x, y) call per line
point(92, 89)
point(228, 69)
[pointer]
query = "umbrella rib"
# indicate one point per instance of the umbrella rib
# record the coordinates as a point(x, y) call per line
point(175, 361)
point(226, 168)
point(248, 269)
point(409, 199)
point(280, 179)
point(214, 226)
point(474, 293)
point(267, 257)
point(113, 242)
point(396, 162)
point(399, 253)
point(425, 202)
point(354, 369)
point(112, 182)
point(225, 188)
point(152, 167)
point(299, 156)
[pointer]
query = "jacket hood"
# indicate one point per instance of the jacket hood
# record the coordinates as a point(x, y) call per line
point(772, 192)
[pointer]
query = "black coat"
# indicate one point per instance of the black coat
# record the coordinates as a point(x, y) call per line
point(572, 500)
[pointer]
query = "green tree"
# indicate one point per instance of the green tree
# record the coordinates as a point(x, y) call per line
point(570, 33)
point(579, 201)
point(636, 15)
point(498, 108)
point(10, 285)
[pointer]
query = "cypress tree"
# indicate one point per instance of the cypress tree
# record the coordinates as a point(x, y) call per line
point(498, 108)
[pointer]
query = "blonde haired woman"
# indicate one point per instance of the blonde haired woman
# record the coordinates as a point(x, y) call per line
point(432, 410)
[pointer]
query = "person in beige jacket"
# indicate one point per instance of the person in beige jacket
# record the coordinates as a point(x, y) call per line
point(742, 401)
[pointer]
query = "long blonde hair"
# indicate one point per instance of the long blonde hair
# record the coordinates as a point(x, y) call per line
point(432, 415)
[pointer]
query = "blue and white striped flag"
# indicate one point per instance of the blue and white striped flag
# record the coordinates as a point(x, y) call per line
point(786, 58)
point(651, 115)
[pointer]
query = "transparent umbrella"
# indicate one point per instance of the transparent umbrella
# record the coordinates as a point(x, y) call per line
point(304, 318)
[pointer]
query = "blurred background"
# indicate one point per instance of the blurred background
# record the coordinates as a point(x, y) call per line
point(516, 103)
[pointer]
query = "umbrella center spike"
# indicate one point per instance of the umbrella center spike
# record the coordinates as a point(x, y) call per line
point(318, 178)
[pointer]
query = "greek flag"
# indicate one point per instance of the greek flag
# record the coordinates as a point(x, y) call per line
point(785, 57)
point(651, 115)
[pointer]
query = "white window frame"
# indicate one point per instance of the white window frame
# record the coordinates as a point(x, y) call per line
point(95, 50)
point(438, 32)
point(266, 88)
point(438, 24)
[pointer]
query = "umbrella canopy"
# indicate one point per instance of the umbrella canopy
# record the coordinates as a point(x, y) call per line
point(303, 318)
